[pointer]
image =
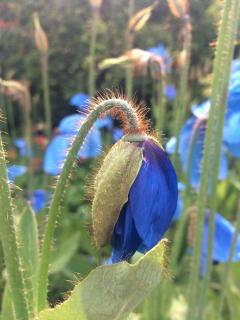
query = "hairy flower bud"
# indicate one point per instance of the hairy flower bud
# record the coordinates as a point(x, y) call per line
point(135, 196)
point(41, 40)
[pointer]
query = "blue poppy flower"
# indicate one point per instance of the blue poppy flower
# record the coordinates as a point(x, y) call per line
point(222, 241)
point(151, 204)
point(193, 135)
point(15, 171)
point(57, 149)
point(39, 199)
point(170, 92)
point(80, 101)
point(22, 146)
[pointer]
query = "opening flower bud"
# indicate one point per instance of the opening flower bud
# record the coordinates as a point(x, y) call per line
point(135, 197)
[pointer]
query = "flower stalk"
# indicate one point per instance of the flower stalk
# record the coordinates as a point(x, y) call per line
point(101, 108)
point(9, 243)
point(212, 149)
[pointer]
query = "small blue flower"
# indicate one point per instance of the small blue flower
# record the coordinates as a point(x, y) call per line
point(15, 171)
point(39, 199)
point(151, 204)
point(57, 149)
point(170, 92)
point(22, 146)
point(80, 101)
point(222, 241)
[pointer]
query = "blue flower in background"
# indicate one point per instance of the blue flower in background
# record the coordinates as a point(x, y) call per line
point(22, 146)
point(161, 50)
point(179, 209)
point(39, 199)
point(117, 134)
point(57, 149)
point(222, 240)
point(192, 136)
point(15, 171)
point(151, 204)
point(104, 123)
point(170, 92)
point(80, 101)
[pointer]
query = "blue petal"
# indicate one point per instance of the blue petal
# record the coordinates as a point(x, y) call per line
point(117, 134)
point(222, 241)
point(231, 132)
point(15, 171)
point(125, 239)
point(80, 100)
point(171, 145)
point(106, 123)
point(202, 109)
point(39, 199)
point(153, 196)
point(21, 144)
point(71, 124)
point(170, 92)
point(233, 149)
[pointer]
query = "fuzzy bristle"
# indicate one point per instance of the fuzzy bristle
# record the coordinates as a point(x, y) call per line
point(138, 109)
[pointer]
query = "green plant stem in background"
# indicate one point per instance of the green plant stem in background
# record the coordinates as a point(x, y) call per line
point(160, 105)
point(46, 95)
point(92, 53)
point(212, 147)
point(10, 118)
point(181, 100)
point(9, 243)
point(61, 186)
point(129, 46)
point(227, 266)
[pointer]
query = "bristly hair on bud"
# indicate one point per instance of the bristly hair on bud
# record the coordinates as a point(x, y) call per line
point(41, 40)
point(138, 111)
point(179, 8)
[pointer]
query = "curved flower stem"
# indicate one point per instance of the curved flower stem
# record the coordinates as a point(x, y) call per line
point(9, 244)
point(45, 81)
point(103, 107)
point(212, 150)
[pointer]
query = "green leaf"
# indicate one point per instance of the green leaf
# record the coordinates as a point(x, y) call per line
point(111, 292)
point(64, 253)
point(27, 234)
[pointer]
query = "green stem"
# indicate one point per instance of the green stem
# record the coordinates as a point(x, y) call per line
point(91, 71)
point(227, 269)
point(46, 95)
point(181, 101)
point(160, 107)
point(9, 243)
point(212, 147)
point(63, 179)
point(129, 41)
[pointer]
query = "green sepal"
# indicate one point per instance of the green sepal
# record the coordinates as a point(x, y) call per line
point(112, 184)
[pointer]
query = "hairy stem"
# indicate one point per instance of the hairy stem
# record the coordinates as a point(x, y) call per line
point(212, 150)
point(9, 244)
point(63, 179)
point(46, 95)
